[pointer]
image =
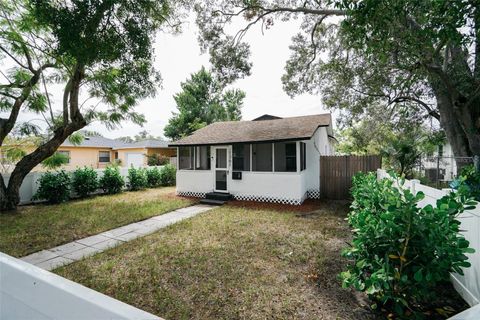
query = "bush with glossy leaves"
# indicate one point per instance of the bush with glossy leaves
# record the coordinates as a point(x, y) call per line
point(112, 181)
point(54, 187)
point(400, 251)
point(84, 181)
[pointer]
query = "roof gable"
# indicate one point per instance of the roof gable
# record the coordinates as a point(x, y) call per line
point(293, 128)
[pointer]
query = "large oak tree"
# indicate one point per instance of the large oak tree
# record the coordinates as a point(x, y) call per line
point(100, 50)
point(365, 55)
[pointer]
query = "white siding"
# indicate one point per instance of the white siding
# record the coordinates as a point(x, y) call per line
point(197, 182)
point(285, 187)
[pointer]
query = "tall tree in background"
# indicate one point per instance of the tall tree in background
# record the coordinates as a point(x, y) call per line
point(100, 49)
point(363, 56)
point(203, 100)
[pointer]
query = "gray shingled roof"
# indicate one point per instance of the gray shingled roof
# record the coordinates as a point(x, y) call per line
point(147, 143)
point(96, 142)
point(293, 128)
point(101, 142)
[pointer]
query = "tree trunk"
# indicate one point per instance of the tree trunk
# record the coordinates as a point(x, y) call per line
point(10, 196)
point(453, 130)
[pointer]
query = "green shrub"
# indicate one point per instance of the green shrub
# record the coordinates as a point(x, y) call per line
point(168, 175)
point(84, 181)
point(112, 182)
point(154, 178)
point(54, 186)
point(157, 160)
point(468, 182)
point(400, 253)
point(137, 179)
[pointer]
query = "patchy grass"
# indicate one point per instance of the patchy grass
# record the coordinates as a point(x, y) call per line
point(239, 261)
point(33, 228)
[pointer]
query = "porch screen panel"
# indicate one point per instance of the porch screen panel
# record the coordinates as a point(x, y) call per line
point(202, 158)
point(262, 157)
point(303, 156)
point(241, 157)
point(285, 156)
point(185, 158)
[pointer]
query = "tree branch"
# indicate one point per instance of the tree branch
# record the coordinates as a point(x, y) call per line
point(14, 58)
point(430, 111)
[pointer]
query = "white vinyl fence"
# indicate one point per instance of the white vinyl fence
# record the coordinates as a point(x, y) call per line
point(468, 286)
point(30, 186)
point(28, 292)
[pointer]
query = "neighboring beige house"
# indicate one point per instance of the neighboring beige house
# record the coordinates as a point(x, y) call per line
point(98, 152)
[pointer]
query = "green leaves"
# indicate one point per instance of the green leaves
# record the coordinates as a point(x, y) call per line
point(111, 181)
point(55, 161)
point(399, 251)
point(53, 187)
point(203, 101)
point(84, 181)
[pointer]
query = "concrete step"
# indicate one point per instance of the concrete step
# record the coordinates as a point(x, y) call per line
point(212, 202)
point(218, 196)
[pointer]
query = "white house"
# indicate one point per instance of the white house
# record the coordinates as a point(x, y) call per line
point(442, 164)
point(267, 159)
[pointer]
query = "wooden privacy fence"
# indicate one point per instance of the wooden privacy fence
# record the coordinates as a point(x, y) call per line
point(336, 173)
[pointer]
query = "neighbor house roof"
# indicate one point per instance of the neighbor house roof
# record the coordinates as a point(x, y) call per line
point(95, 142)
point(147, 143)
point(293, 128)
point(266, 117)
point(101, 142)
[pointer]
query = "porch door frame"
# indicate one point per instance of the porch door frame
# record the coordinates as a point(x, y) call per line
point(225, 169)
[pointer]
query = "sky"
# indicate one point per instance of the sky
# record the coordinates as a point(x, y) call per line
point(178, 56)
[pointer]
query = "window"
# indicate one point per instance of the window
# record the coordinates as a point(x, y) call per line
point(286, 156)
point(116, 155)
point(66, 153)
point(262, 157)
point(185, 158)
point(241, 157)
point(303, 156)
point(440, 150)
point(202, 158)
point(104, 156)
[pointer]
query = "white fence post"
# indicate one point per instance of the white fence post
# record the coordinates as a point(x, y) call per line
point(414, 182)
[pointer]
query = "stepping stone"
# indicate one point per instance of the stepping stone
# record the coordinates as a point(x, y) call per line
point(107, 244)
point(129, 236)
point(67, 248)
point(82, 253)
point(54, 263)
point(40, 256)
point(89, 241)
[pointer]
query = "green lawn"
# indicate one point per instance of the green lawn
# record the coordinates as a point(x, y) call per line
point(235, 262)
point(33, 228)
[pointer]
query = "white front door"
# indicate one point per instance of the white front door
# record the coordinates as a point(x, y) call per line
point(220, 166)
point(135, 159)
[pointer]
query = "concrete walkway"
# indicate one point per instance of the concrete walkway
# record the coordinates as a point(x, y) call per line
point(79, 249)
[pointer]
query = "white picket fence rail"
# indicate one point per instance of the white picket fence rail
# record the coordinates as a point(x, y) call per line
point(28, 292)
point(30, 186)
point(468, 285)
